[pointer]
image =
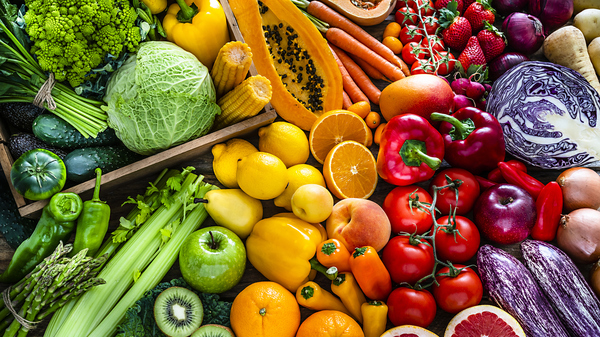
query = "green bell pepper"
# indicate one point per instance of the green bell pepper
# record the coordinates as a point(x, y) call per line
point(55, 225)
point(38, 174)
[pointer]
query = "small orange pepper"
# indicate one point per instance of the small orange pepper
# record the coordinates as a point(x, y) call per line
point(370, 273)
point(333, 253)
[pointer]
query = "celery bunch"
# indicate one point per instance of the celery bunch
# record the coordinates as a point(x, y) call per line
point(141, 262)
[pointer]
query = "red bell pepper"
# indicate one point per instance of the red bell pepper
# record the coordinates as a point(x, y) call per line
point(548, 205)
point(473, 139)
point(410, 150)
point(496, 176)
point(521, 179)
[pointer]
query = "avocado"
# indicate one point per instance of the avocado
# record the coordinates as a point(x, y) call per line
point(20, 115)
point(22, 142)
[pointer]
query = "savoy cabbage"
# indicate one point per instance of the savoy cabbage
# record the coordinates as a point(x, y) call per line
point(160, 97)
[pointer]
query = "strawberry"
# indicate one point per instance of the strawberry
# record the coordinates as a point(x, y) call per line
point(467, 3)
point(457, 29)
point(492, 41)
point(439, 4)
point(472, 55)
point(478, 12)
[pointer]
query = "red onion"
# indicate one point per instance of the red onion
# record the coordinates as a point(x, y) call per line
point(505, 7)
point(552, 13)
point(524, 32)
point(502, 63)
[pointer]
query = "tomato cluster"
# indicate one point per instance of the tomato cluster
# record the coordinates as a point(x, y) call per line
point(409, 256)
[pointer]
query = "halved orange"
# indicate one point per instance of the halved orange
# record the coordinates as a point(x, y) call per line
point(350, 170)
point(334, 127)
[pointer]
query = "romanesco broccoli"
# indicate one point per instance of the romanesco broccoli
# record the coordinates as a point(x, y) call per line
point(70, 38)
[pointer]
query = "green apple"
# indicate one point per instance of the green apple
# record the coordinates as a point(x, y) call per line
point(212, 259)
point(312, 203)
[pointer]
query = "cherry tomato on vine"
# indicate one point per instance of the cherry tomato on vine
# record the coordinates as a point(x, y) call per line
point(453, 294)
point(426, 7)
point(468, 191)
point(422, 67)
point(431, 24)
point(455, 247)
point(407, 209)
point(407, 260)
point(445, 62)
point(411, 52)
point(410, 33)
point(406, 16)
point(410, 306)
point(437, 45)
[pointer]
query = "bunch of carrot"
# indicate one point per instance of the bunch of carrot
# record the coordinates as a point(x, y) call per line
point(359, 55)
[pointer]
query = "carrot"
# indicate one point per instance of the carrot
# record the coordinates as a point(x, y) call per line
point(347, 102)
point(334, 19)
point(350, 86)
point(359, 76)
point(345, 41)
point(369, 69)
point(405, 68)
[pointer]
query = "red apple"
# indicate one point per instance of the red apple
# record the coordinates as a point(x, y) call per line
point(359, 222)
point(505, 214)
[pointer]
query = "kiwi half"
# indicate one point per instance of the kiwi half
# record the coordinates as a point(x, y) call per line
point(213, 330)
point(178, 312)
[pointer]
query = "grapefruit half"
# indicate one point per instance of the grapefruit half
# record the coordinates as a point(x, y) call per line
point(408, 331)
point(484, 320)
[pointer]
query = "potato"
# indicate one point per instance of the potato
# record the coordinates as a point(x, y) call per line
point(567, 47)
point(580, 5)
point(594, 51)
point(588, 21)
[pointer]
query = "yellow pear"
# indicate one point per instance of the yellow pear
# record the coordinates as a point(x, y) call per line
point(233, 209)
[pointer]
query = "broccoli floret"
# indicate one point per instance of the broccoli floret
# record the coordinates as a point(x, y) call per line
point(70, 38)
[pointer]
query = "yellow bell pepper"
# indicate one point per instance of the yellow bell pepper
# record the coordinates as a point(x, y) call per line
point(280, 248)
point(374, 315)
point(200, 29)
point(310, 295)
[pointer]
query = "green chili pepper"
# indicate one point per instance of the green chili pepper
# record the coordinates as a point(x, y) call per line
point(92, 225)
point(55, 225)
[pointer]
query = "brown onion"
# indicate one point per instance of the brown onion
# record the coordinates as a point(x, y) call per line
point(578, 235)
point(580, 187)
point(595, 278)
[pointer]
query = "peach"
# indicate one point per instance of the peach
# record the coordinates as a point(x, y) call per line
point(359, 222)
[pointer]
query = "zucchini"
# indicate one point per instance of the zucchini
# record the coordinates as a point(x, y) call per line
point(57, 132)
point(564, 286)
point(514, 289)
point(81, 163)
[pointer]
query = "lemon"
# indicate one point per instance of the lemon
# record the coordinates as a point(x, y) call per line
point(298, 175)
point(262, 175)
point(226, 156)
point(286, 141)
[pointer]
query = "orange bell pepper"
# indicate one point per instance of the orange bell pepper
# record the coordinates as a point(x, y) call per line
point(332, 253)
point(370, 273)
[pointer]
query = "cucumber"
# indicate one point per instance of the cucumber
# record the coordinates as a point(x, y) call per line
point(81, 163)
point(57, 132)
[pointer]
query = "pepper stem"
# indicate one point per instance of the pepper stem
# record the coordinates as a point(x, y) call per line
point(462, 128)
point(96, 196)
point(330, 273)
point(414, 153)
point(186, 13)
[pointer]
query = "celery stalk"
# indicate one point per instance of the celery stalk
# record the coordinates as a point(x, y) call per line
point(91, 308)
point(156, 270)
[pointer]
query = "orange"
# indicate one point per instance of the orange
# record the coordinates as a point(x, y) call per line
point(350, 170)
point(265, 309)
point(329, 323)
point(419, 94)
point(334, 127)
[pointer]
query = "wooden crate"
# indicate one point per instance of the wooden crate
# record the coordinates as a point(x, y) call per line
point(169, 158)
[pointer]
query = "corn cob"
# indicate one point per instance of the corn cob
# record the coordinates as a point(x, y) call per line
point(244, 101)
point(231, 66)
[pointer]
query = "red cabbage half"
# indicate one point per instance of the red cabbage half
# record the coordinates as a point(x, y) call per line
point(548, 115)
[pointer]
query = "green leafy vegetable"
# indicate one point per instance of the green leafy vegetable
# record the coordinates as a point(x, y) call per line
point(161, 97)
point(139, 319)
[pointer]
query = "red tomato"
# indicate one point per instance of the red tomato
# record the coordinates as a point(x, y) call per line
point(431, 25)
point(445, 62)
point(407, 262)
point(457, 293)
point(427, 8)
point(406, 16)
point(468, 191)
point(406, 211)
point(410, 33)
point(457, 248)
point(411, 52)
point(437, 45)
point(409, 306)
point(422, 67)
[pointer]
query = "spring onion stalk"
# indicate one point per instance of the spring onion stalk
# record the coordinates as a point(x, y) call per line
point(156, 270)
point(133, 257)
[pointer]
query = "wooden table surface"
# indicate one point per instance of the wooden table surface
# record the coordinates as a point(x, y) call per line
point(203, 164)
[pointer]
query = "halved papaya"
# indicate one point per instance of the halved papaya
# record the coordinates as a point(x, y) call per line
point(290, 51)
point(363, 12)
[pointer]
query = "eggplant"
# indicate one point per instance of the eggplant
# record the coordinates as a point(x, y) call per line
point(511, 285)
point(564, 286)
